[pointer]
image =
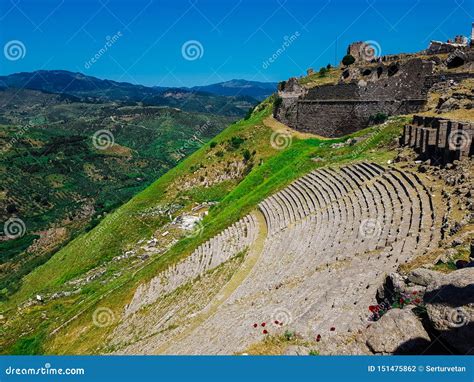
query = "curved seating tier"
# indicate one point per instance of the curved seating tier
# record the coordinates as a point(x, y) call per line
point(333, 235)
point(230, 242)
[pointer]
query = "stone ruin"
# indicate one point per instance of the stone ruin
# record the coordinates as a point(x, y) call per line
point(389, 85)
point(439, 140)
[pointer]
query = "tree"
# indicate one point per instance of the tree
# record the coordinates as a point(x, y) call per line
point(348, 59)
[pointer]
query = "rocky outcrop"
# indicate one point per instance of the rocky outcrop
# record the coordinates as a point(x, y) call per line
point(399, 331)
point(450, 306)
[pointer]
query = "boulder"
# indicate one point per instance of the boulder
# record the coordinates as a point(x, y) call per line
point(449, 302)
point(399, 331)
point(423, 276)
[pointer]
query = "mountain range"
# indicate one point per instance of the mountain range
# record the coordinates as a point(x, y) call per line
point(224, 98)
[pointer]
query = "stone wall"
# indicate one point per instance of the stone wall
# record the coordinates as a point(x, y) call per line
point(439, 140)
point(383, 87)
point(335, 118)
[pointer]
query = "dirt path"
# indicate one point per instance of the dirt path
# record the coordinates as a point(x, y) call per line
point(242, 273)
point(279, 127)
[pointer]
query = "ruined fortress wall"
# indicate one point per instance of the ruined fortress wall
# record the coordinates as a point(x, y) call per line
point(337, 118)
point(336, 110)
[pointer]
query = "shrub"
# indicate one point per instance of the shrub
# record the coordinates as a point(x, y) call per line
point(289, 335)
point(313, 352)
point(213, 144)
point(378, 118)
point(328, 66)
point(348, 59)
point(322, 72)
point(236, 141)
point(246, 155)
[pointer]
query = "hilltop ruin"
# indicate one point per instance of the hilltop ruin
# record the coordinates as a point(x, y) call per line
point(387, 85)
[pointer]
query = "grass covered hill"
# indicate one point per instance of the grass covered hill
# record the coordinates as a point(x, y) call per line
point(224, 179)
point(60, 180)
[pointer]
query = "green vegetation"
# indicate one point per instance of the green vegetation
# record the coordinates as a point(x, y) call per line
point(53, 176)
point(348, 59)
point(378, 118)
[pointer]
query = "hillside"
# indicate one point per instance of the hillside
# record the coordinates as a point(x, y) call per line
point(92, 89)
point(254, 89)
point(60, 181)
point(268, 240)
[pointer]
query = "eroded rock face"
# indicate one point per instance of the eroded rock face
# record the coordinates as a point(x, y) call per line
point(399, 331)
point(450, 305)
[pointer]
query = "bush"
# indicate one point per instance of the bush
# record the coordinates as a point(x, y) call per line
point(236, 141)
point(213, 144)
point(247, 155)
point(328, 66)
point(378, 118)
point(322, 72)
point(289, 335)
point(348, 59)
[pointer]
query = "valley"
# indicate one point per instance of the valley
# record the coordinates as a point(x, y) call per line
point(323, 222)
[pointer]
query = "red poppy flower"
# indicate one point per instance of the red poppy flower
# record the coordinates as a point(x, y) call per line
point(332, 329)
point(265, 331)
point(402, 301)
point(255, 325)
point(414, 293)
point(373, 308)
point(318, 338)
point(276, 322)
point(263, 324)
point(417, 300)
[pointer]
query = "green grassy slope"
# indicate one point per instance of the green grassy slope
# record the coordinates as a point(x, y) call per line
point(54, 178)
point(267, 169)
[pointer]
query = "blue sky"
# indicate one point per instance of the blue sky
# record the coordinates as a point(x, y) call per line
point(232, 39)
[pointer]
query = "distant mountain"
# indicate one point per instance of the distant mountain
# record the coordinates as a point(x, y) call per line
point(92, 89)
point(255, 89)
